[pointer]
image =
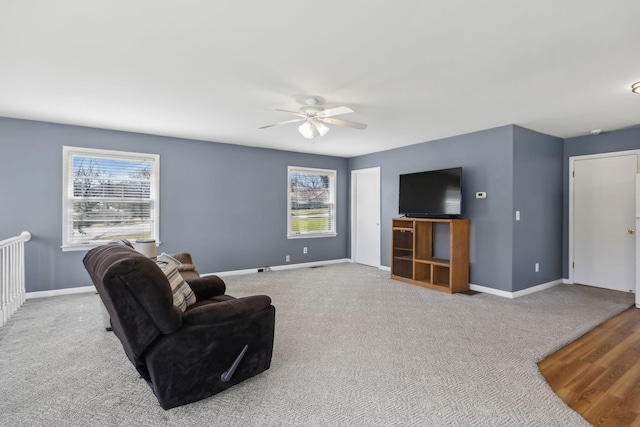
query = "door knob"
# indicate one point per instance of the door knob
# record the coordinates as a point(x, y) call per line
point(631, 231)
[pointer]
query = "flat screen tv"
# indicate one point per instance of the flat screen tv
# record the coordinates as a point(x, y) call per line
point(431, 194)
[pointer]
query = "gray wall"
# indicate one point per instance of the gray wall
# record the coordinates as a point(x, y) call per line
point(225, 204)
point(239, 223)
point(487, 161)
point(627, 139)
point(537, 194)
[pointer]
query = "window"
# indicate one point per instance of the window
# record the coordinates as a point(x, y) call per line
point(311, 208)
point(108, 195)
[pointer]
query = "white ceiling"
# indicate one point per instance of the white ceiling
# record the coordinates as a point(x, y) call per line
point(414, 70)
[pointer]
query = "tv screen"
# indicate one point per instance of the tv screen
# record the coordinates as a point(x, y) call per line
point(434, 194)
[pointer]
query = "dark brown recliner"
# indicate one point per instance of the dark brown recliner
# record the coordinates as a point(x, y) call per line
point(216, 343)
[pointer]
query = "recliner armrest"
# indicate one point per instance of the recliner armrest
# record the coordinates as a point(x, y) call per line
point(207, 287)
point(226, 310)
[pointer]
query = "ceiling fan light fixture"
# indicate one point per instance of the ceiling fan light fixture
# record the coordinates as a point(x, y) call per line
point(322, 129)
point(308, 130)
point(635, 88)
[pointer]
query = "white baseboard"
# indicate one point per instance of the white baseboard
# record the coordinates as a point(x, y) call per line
point(485, 290)
point(83, 289)
point(58, 292)
point(385, 268)
point(516, 294)
point(279, 267)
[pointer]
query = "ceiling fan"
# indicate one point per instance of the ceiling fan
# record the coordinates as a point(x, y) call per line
point(316, 117)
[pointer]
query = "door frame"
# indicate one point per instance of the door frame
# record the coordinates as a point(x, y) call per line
point(572, 160)
point(354, 210)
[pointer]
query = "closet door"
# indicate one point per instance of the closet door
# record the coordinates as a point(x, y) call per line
point(603, 215)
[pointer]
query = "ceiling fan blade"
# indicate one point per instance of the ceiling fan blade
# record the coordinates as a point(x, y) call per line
point(297, 113)
point(341, 122)
point(335, 111)
point(282, 123)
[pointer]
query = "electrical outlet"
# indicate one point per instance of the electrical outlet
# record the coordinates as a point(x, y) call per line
point(537, 267)
point(287, 258)
point(304, 250)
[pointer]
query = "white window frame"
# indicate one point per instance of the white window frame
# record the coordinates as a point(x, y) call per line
point(68, 153)
point(333, 178)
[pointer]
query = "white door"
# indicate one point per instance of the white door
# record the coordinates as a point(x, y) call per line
point(365, 216)
point(603, 215)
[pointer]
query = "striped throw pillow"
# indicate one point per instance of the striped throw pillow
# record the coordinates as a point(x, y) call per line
point(182, 293)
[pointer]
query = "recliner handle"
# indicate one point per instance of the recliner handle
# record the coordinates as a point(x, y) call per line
point(226, 376)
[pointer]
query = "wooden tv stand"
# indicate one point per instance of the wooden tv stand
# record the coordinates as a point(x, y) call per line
point(412, 258)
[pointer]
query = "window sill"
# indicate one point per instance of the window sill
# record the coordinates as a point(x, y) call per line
point(79, 247)
point(310, 235)
point(89, 246)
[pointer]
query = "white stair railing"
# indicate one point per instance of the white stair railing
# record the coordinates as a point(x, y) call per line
point(12, 285)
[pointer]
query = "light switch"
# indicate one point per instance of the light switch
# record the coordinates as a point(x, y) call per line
point(517, 215)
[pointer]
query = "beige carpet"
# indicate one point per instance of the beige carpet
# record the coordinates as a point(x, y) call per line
point(352, 348)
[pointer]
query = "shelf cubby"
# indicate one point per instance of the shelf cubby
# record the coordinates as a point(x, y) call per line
point(403, 267)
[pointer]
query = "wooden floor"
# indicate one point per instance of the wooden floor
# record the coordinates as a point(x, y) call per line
point(598, 375)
